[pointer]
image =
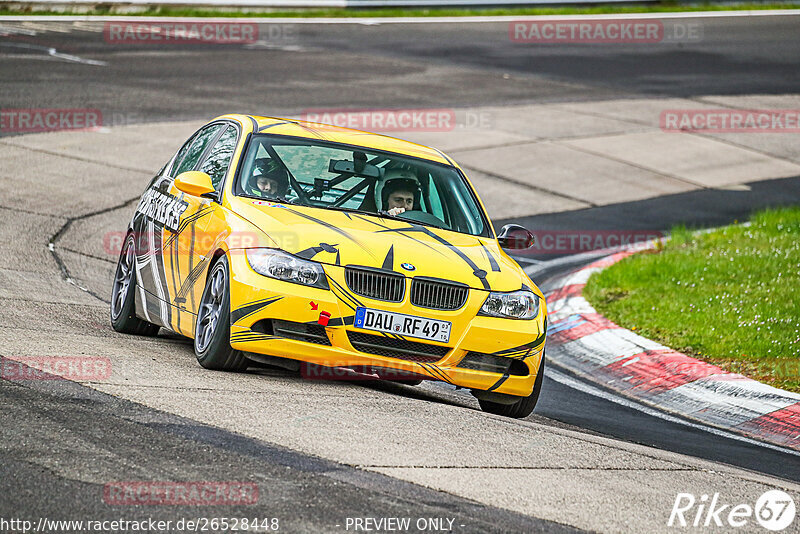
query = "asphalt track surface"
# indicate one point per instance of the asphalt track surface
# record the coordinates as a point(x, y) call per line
point(75, 425)
point(364, 66)
point(477, 65)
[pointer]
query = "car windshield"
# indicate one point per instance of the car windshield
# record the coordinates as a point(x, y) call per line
point(333, 176)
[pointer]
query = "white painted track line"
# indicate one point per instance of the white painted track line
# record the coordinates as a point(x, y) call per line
point(407, 20)
point(584, 387)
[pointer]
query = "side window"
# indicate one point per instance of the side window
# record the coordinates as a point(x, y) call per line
point(196, 149)
point(180, 154)
point(219, 159)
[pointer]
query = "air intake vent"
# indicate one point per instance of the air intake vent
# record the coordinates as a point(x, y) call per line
point(490, 363)
point(310, 333)
point(397, 348)
point(375, 284)
point(438, 295)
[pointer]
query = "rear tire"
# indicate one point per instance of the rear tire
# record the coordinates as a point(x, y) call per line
point(123, 295)
point(524, 406)
point(212, 333)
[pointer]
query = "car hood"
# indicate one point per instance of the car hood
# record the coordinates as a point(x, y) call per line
point(343, 238)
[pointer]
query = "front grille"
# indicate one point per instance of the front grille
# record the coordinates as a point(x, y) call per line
point(310, 333)
point(490, 363)
point(374, 284)
point(437, 295)
point(397, 348)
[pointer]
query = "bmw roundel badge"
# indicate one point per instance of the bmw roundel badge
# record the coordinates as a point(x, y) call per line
point(407, 266)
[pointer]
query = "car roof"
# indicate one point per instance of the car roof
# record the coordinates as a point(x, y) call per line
point(337, 134)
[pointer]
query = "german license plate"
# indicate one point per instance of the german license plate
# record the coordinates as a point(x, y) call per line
point(402, 324)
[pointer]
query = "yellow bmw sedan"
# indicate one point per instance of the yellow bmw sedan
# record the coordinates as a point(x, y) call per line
point(274, 240)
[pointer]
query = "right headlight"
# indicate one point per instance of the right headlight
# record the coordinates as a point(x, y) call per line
point(522, 304)
point(281, 265)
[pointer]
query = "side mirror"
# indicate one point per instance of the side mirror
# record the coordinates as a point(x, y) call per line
point(515, 237)
point(194, 183)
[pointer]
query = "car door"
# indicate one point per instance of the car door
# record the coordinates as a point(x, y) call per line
point(162, 217)
point(198, 231)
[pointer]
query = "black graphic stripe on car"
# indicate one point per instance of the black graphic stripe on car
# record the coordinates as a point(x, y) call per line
point(499, 382)
point(199, 214)
point(492, 262)
point(245, 337)
point(337, 321)
point(191, 280)
point(345, 295)
point(388, 262)
point(412, 238)
point(310, 252)
point(251, 308)
point(331, 227)
point(436, 372)
point(479, 273)
point(522, 349)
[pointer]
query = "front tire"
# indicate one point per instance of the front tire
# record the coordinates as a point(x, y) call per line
point(212, 333)
point(123, 295)
point(524, 406)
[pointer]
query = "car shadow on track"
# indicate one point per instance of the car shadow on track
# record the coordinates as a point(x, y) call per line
point(383, 386)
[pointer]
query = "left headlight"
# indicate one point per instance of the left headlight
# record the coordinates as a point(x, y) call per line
point(521, 304)
point(281, 265)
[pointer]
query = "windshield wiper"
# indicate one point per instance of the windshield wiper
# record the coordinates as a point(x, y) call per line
point(385, 215)
point(380, 215)
point(411, 222)
point(339, 208)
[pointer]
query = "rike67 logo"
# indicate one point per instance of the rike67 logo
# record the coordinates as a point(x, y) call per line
point(774, 510)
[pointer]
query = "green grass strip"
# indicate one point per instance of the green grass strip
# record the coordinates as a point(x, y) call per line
point(730, 297)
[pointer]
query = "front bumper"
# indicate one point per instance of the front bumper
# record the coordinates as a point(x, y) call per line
point(258, 303)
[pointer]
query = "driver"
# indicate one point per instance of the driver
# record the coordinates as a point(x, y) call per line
point(400, 191)
point(269, 179)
